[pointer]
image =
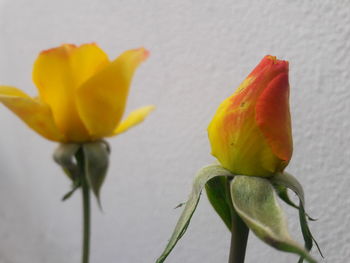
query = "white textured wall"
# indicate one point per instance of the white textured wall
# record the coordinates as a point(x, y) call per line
point(201, 50)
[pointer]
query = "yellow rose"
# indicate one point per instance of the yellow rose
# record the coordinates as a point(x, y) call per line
point(82, 94)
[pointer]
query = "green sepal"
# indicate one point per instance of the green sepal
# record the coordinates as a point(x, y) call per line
point(282, 192)
point(217, 190)
point(255, 201)
point(202, 177)
point(180, 205)
point(284, 181)
point(72, 191)
point(96, 160)
point(64, 155)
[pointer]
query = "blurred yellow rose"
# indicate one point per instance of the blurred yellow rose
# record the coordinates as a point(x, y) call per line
point(82, 94)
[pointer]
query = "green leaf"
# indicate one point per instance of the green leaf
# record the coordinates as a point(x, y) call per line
point(202, 177)
point(284, 181)
point(96, 160)
point(255, 201)
point(219, 196)
point(64, 156)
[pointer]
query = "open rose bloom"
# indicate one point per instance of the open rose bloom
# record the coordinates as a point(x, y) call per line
point(82, 94)
point(82, 99)
point(250, 133)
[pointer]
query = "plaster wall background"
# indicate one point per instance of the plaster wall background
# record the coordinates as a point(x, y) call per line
point(200, 52)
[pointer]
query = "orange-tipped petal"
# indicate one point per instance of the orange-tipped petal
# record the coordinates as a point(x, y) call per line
point(273, 117)
point(134, 118)
point(101, 100)
point(58, 72)
point(240, 132)
point(34, 113)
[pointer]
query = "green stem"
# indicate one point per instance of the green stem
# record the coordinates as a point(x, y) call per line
point(86, 208)
point(86, 222)
point(239, 238)
point(239, 234)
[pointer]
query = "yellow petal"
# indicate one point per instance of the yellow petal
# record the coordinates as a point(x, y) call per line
point(101, 100)
point(134, 118)
point(34, 113)
point(237, 142)
point(57, 74)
